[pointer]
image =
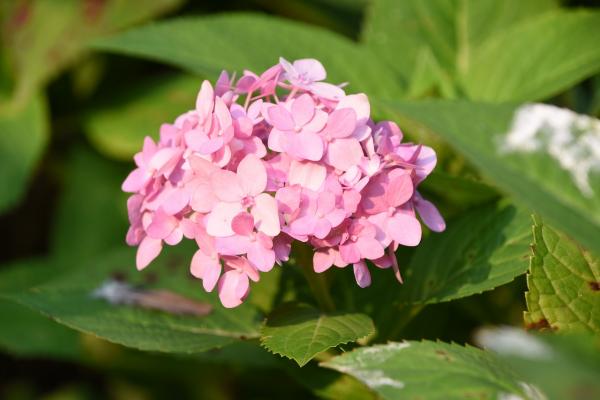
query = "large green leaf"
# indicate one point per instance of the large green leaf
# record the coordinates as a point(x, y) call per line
point(430, 370)
point(44, 36)
point(118, 129)
point(207, 45)
point(563, 367)
point(23, 137)
point(300, 332)
point(437, 37)
point(26, 332)
point(536, 59)
point(564, 283)
point(91, 215)
point(482, 249)
point(69, 301)
point(535, 178)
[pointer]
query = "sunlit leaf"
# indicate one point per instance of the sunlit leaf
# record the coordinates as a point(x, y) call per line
point(252, 41)
point(430, 370)
point(564, 283)
point(438, 37)
point(554, 51)
point(300, 332)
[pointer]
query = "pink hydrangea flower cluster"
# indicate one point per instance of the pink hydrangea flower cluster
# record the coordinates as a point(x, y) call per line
point(273, 158)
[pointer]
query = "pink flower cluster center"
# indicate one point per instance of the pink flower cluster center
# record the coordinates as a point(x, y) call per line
point(273, 158)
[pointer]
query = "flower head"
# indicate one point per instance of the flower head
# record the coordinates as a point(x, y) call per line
point(249, 170)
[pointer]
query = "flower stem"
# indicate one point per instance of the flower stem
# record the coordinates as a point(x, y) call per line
point(317, 282)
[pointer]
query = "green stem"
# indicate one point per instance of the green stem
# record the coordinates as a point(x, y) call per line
point(317, 282)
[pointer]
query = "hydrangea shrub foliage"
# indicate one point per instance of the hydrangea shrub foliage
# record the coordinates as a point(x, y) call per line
point(343, 200)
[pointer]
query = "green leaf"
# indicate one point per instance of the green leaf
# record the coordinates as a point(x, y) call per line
point(536, 59)
point(564, 367)
point(482, 249)
point(536, 179)
point(118, 130)
point(68, 300)
point(564, 283)
point(91, 215)
point(25, 332)
point(429, 370)
point(253, 41)
point(413, 35)
point(23, 137)
point(300, 332)
point(49, 35)
point(329, 384)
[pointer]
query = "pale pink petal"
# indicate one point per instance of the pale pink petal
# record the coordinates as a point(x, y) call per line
point(430, 214)
point(227, 186)
point(317, 123)
point(233, 288)
point(349, 253)
point(359, 103)
point(203, 199)
point(219, 220)
point(260, 257)
point(310, 69)
point(222, 113)
point(404, 229)
point(303, 109)
point(252, 175)
point(136, 180)
point(162, 225)
point(327, 90)
point(211, 146)
point(266, 214)
point(322, 228)
point(281, 118)
point(176, 201)
point(174, 237)
point(310, 175)
point(362, 274)
point(205, 101)
point(323, 260)
point(232, 245)
point(206, 268)
point(399, 190)
point(369, 248)
point(304, 145)
point(343, 154)
point(163, 157)
point(276, 140)
point(341, 123)
point(147, 251)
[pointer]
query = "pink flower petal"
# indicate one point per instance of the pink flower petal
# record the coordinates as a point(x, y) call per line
point(343, 154)
point(429, 214)
point(369, 248)
point(281, 118)
point(243, 224)
point(260, 257)
point(303, 109)
point(205, 101)
point(341, 123)
point(304, 145)
point(399, 190)
point(361, 274)
point(233, 288)
point(310, 175)
point(404, 229)
point(219, 220)
point(323, 260)
point(227, 186)
point(148, 250)
point(206, 268)
point(349, 253)
point(252, 175)
point(266, 214)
